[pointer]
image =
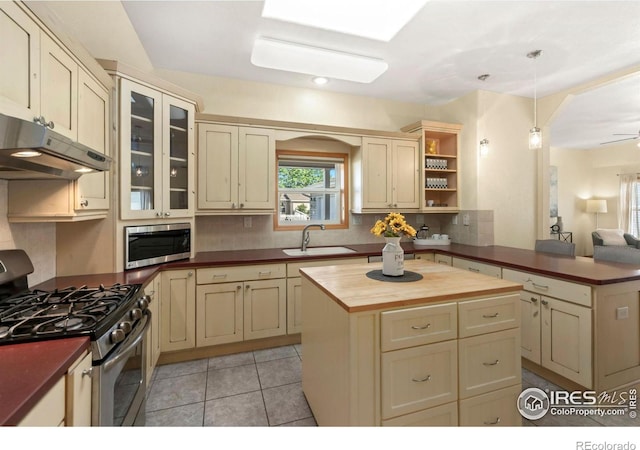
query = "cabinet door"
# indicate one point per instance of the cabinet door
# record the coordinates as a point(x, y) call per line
point(93, 131)
point(406, 174)
point(257, 168)
point(294, 305)
point(140, 151)
point(217, 166)
point(178, 161)
point(50, 410)
point(376, 173)
point(265, 308)
point(219, 318)
point(530, 326)
point(178, 310)
point(58, 88)
point(79, 384)
point(20, 51)
point(566, 340)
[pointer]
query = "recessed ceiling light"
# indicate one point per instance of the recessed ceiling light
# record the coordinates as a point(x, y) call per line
point(280, 55)
point(26, 154)
point(373, 19)
point(320, 80)
point(84, 170)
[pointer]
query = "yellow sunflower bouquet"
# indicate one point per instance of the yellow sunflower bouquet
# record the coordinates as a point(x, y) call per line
point(393, 225)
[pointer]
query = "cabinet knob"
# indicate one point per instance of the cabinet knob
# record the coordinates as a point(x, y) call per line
point(167, 214)
point(158, 214)
point(544, 302)
point(190, 274)
point(88, 372)
point(84, 203)
point(241, 205)
point(534, 300)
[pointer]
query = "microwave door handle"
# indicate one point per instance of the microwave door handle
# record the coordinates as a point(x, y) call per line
point(124, 352)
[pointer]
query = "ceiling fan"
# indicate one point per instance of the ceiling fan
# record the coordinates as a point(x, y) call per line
point(635, 136)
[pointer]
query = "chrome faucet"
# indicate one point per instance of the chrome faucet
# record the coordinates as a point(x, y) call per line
point(305, 235)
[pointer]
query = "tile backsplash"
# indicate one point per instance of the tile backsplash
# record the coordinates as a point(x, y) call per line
point(229, 232)
point(38, 240)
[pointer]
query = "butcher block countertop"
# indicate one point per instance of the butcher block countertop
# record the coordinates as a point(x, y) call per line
point(349, 286)
point(29, 370)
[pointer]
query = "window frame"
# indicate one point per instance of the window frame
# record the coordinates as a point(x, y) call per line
point(343, 190)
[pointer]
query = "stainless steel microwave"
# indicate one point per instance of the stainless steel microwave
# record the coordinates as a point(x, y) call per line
point(156, 244)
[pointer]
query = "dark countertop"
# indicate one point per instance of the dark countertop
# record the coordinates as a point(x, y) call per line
point(30, 370)
point(40, 364)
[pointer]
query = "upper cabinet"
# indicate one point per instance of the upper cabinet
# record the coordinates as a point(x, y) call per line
point(386, 175)
point(440, 165)
point(51, 86)
point(156, 153)
point(236, 169)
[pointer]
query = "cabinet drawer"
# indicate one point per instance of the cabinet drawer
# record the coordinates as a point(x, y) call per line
point(498, 408)
point(440, 416)
point(443, 259)
point(418, 378)
point(488, 315)
point(292, 268)
point(564, 290)
point(418, 326)
point(240, 273)
point(489, 362)
point(477, 267)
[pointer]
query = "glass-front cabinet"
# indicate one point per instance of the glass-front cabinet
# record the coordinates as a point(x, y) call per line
point(157, 146)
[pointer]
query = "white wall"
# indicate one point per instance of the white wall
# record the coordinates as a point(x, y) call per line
point(38, 240)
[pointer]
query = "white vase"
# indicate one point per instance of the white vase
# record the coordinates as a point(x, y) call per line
point(392, 258)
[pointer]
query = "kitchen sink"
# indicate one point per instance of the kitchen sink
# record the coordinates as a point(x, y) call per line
point(315, 251)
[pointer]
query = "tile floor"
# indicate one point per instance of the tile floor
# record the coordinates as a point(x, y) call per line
point(263, 388)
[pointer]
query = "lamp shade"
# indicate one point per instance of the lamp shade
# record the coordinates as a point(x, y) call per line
point(596, 206)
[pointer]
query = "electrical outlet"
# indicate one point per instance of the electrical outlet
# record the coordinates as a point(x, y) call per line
point(356, 219)
point(247, 222)
point(622, 313)
point(454, 220)
point(465, 220)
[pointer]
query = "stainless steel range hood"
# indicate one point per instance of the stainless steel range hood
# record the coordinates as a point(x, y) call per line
point(54, 155)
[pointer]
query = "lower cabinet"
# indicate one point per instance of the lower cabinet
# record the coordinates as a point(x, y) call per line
point(556, 320)
point(152, 289)
point(496, 408)
point(178, 310)
point(68, 402)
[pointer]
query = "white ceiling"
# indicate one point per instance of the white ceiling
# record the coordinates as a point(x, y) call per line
point(434, 59)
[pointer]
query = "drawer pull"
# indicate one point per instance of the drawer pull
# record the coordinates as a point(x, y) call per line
point(495, 363)
point(472, 269)
point(420, 327)
point(534, 300)
point(422, 380)
point(264, 274)
point(540, 286)
point(495, 422)
point(490, 316)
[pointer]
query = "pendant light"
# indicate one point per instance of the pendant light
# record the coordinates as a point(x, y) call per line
point(484, 143)
point(535, 134)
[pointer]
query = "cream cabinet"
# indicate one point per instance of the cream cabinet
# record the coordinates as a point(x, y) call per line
point(240, 303)
point(236, 169)
point(153, 289)
point(477, 267)
point(496, 408)
point(440, 183)
point(294, 288)
point(557, 325)
point(178, 310)
point(387, 171)
point(68, 402)
point(156, 153)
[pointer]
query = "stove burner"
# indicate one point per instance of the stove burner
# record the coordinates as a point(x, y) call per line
point(67, 323)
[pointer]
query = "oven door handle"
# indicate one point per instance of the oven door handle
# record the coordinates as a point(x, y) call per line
point(124, 352)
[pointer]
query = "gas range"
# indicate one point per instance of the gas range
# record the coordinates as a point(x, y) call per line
point(104, 314)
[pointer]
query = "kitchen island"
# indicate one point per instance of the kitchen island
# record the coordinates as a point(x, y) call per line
point(441, 350)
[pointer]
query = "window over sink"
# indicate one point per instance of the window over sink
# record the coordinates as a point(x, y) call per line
point(311, 188)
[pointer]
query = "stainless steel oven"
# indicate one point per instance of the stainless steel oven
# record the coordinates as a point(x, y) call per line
point(156, 244)
point(119, 381)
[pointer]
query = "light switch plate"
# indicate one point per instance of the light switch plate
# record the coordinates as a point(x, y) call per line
point(622, 313)
point(247, 222)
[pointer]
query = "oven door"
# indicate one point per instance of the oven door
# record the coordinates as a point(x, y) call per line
point(120, 386)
